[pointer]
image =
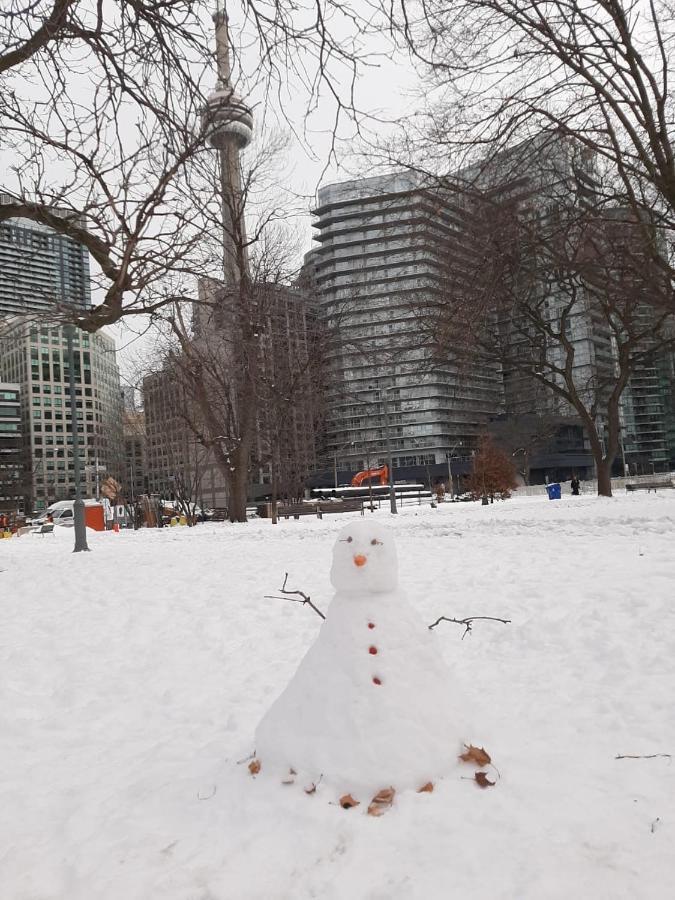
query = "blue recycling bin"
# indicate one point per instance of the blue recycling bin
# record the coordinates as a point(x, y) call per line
point(553, 491)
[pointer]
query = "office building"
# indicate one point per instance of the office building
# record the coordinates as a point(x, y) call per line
point(12, 468)
point(135, 482)
point(36, 358)
point(40, 268)
point(552, 176)
point(380, 257)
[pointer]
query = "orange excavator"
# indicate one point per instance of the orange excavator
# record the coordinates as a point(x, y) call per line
point(382, 473)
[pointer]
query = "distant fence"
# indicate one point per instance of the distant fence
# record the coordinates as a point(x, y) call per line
point(589, 487)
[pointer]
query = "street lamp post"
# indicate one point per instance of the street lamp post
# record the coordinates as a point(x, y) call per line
point(80, 527)
point(390, 462)
point(623, 454)
point(450, 452)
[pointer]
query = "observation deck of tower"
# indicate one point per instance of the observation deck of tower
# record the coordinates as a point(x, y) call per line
point(230, 123)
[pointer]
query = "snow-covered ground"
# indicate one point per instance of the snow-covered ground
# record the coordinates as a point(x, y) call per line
point(132, 679)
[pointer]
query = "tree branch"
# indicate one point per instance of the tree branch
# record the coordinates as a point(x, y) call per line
point(647, 756)
point(468, 622)
point(293, 599)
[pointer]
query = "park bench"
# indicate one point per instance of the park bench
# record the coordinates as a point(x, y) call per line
point(341, 506)
point(285, 511)
point(652, 485)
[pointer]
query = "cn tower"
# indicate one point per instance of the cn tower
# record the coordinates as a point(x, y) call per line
point(230, 129)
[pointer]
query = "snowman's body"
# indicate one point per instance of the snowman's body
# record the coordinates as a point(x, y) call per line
point(371, 704)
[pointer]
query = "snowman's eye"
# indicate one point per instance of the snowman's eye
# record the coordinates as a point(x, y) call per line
point(375, 541)
point(349, 540)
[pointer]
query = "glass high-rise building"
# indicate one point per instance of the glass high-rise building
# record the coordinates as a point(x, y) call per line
point(379, 258)
point(39, 268)
point(11, 449)
point(35, 358)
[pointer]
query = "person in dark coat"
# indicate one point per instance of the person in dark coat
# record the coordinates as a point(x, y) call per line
point(575, 484)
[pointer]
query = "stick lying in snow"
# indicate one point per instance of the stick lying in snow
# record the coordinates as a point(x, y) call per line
point(293, 599)
point(648, 756)
point(467, 622)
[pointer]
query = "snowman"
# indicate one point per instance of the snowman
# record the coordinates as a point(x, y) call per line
point(372, 705)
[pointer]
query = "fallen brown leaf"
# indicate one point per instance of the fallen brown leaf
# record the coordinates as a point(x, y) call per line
point(426, 788)
point(311, 789)
point(386, 795)
point(477, 755)
point(376, 809)
point(482, 780)
point(381, 801)
point(254, 766)
point(347, 801)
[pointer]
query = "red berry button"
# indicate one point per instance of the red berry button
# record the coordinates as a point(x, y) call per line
point(372, 650)
point(376, 680)
point(370, 625)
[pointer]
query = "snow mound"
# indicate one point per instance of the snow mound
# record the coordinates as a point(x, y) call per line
point(372, 703)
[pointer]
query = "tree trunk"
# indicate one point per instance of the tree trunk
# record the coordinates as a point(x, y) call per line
point(275, 490)
point(603, 460)
point(604, 467)
point(238, 483)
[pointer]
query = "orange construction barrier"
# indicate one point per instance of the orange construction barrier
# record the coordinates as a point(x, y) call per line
point(94, 517)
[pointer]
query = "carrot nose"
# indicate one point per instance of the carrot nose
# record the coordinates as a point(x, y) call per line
point(360, 559)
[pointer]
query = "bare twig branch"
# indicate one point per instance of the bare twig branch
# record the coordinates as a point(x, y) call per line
point(306, 598)
point(467, 622)
point(645, 756)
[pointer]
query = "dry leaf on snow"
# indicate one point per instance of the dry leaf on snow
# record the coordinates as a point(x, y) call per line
point(254, 766)
point(347, 801)
point(483, 780)
point(386, 795)
point(376, 810)
point(426, 788)
point(477, 755)
point(381, 801)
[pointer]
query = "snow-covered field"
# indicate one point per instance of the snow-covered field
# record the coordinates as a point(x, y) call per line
point(132, 679)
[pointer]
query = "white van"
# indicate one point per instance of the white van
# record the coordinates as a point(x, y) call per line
point(62, 511)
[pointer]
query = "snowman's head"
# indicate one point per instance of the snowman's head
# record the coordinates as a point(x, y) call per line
point(364, 559)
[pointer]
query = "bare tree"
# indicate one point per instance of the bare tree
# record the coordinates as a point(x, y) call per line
point(251, 385)
point(500, 72)
point(523, 435)
point(105, 120)
point(493, 472)
point(559, 297)
point(246, 355)
point(186, 482)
